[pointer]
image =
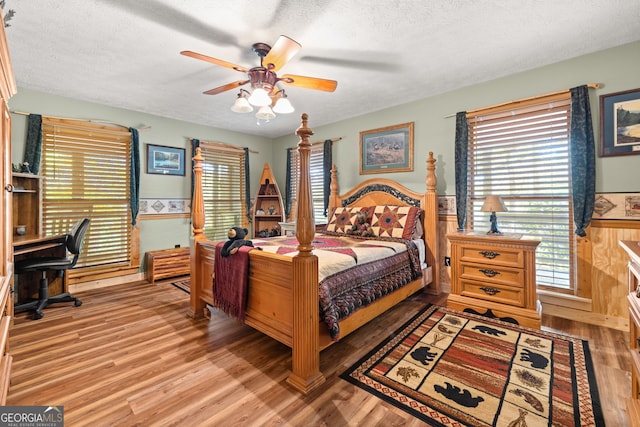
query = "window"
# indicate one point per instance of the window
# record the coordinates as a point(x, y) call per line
point(86, 168)
point(223, 189)
point(317, 182)
point(522, 155)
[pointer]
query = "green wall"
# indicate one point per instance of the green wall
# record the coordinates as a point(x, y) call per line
point(615, 69)
point(156, 233)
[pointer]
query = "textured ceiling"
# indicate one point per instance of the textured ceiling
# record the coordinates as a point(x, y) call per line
point(125, 53)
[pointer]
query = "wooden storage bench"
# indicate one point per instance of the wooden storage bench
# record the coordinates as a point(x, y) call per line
point(165, 263)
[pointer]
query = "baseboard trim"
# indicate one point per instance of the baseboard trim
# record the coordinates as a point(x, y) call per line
point(618, 323)
point(104, 283)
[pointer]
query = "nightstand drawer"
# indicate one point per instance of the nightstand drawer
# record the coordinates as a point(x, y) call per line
point(493, 292)
point(493, 256)
point(492, 274)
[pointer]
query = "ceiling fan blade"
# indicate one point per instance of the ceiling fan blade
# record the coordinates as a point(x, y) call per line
point(309, 82)
point(214, 60)
point(284, 49)
point(226, 87)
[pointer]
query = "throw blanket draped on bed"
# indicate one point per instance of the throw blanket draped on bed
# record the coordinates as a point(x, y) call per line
point(353, 271)
point(230, 281)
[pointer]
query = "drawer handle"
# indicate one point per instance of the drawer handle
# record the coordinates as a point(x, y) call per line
point(489, 272)
point(489, 254)
point(490, 291)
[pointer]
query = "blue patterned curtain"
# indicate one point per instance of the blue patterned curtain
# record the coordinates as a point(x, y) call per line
point(33, 148)
point(583, 159)
point(247, 185)
point(134, 176)
point(195, 143)
point(327, 162)
point(461, 159)
point(288, 196)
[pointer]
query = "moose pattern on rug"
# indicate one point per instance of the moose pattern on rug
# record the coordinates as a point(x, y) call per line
point(450, 368)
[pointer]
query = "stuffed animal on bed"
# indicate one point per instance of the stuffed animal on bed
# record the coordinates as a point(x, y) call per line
point(361, 227)
point(236, 241)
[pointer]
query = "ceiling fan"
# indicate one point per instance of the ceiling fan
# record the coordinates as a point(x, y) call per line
point(263, 78)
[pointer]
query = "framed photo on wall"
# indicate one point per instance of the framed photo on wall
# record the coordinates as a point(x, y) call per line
point(388, 149)
point(620, 123)
point(164, 160)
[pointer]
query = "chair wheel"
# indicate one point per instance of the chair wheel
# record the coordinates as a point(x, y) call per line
point(38, 315)
point(77, 303)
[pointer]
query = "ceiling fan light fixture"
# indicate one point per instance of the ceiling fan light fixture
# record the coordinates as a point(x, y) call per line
point(283, 106)
point(242, 104)
point(260, 98)
point(265, 113)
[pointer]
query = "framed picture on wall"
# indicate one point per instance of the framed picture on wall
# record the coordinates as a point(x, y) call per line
point(388, 149)
point(164, 160)
point(620, 123)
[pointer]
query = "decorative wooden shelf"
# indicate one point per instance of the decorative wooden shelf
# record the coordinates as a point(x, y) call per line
point(268, 209)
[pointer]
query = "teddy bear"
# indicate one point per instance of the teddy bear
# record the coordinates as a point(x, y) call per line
point(236, 240)
point(361, 227)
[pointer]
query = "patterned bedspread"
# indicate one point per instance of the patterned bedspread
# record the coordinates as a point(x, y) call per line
point(353, 271)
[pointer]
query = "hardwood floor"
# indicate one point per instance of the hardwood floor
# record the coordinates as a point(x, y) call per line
point(130, 356)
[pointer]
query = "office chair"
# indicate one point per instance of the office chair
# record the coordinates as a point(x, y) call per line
point(73, 242)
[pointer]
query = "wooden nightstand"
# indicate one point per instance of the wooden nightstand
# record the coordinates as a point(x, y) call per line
point(495, 276)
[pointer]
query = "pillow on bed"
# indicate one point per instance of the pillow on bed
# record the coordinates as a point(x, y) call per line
point(395, 221)
point(343, 219)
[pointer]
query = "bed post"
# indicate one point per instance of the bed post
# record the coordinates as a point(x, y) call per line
point(431, 226)
point(333, 190)
point(305, 349)
point(196, 310)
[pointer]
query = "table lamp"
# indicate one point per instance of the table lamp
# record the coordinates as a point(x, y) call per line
point(493, 204)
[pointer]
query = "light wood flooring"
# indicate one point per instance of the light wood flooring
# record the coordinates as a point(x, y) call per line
point(130, 356)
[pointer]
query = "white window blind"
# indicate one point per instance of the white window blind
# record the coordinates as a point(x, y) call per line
point(316, 164)
point(223, 189)
point(522, 155)
point(86, 169)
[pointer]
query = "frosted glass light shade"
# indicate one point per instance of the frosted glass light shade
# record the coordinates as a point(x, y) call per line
point(260, 98)
point(265, 113)
point(283, 106)
point(241, 105)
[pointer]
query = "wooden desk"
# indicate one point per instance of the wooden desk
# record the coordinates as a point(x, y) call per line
point(29, 246)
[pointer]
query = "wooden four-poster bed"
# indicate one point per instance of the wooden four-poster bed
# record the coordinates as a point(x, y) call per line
point(283, 290)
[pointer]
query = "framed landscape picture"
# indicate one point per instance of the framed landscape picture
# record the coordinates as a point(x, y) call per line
point(165, 160)
point(620, 123)
point(388, 149)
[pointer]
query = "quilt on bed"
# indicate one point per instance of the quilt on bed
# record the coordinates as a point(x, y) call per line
point(353, 271)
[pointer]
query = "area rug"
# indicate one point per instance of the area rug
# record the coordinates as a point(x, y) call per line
point(182, 285)
point(449, 368)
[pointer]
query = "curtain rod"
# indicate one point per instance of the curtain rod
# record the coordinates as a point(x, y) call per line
point(141, 128)
point(517, 101)
point(332, 140)
point(222, 144)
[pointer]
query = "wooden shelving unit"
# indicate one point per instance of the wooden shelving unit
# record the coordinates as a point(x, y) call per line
point(268, 209)
point(27, 202)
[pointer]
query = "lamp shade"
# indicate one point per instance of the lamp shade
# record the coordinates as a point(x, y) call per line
point(493, 203)
point(260, 97)
point(283, 106)
point(241, 105)
point(265, 113)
